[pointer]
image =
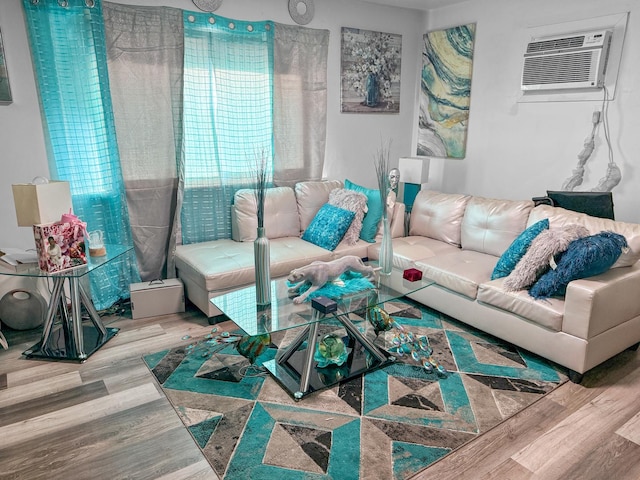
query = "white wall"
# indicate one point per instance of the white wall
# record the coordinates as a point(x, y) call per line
point(514, 150)
point(519, 150)
point(352, 139)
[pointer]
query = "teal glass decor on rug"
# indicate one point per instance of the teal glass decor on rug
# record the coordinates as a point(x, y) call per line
point(390, 423)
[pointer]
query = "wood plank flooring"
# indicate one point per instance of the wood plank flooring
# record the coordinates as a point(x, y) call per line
point(107, 418)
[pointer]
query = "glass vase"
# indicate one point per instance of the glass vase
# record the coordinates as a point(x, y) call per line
point(386, 248)
point(262, 265)
point(371, 98)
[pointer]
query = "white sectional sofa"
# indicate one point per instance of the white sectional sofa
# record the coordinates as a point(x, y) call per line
point(457, 240)
point(212, 268)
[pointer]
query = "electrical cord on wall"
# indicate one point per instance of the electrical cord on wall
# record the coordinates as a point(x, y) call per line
point(613, 175)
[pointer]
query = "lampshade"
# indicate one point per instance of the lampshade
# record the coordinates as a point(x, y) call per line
point(413, 170)
point(38, 203)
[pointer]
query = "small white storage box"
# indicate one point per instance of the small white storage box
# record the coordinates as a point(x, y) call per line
point(158, 297)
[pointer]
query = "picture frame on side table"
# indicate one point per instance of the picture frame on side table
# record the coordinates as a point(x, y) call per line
point(5, 89)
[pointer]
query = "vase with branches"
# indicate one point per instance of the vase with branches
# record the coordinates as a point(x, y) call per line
point(381, 162)
point(261, 246)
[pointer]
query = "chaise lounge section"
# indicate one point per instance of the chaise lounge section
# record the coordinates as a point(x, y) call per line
point(212, 268)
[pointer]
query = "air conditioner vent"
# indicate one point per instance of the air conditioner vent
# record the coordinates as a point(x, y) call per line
point(557, 69)
point(566, 62)
point(555, 44)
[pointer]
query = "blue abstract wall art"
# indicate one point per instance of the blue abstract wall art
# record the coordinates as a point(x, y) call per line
point(445, 92)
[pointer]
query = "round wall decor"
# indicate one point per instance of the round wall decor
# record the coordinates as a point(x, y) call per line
point(301, 11)
point(22, 309)
point(207, 5)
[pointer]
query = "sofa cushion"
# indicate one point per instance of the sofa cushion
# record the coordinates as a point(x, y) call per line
point(408, 250)
point(328, 226)
point(549, 314)
point(631, 231)
point(460, 272)
point(540, 254)
point(438, 215)
point(491, 225)
point(355, 202)
point(517, 249)
point(221, 265)
point(374, 210)
point(310, 196)
point(585, 257)
point(280, 214)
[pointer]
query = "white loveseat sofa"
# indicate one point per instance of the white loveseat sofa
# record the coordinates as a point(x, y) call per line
point(456, 240)
point(211, 268)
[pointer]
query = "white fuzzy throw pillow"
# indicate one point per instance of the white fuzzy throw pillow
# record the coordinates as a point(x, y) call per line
point(355, 202)
point(540, 253)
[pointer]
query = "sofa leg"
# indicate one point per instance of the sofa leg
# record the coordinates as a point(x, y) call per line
point(575, 377)
point(634, 347)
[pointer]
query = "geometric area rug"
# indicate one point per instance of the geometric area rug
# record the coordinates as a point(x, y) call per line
point(390, 423)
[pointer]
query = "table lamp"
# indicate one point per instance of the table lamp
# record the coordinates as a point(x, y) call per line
point(41, 201)
point(414, 171)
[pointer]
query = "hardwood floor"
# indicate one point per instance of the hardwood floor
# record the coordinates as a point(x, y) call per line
point(107, 418)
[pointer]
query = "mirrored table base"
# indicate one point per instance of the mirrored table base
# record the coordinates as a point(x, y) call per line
point(60, 346)
point(296, 370)
point(70, 340)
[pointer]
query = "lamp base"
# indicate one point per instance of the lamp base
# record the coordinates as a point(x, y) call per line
point(410, 192)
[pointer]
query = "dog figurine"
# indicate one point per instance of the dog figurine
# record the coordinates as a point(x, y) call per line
point(318, 273)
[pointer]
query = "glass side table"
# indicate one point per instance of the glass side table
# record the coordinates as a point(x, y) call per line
point(71, 340)
point(296, 367)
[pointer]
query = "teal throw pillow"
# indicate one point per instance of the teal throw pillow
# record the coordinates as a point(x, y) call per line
point(517, 249)
point(328, 226)
point(372, 218)
point(585, 257)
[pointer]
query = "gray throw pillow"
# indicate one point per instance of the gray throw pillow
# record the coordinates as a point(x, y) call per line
point(355, 202)
point(540, 254)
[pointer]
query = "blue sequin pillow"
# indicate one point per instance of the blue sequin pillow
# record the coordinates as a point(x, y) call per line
point(585, 257)
point(328, 226)
point(517, 249)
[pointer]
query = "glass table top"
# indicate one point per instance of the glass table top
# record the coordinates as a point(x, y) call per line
point(113, 252)
point(240, 305)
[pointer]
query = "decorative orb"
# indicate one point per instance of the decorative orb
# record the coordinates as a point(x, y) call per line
point(22, 309)
point(331, 350)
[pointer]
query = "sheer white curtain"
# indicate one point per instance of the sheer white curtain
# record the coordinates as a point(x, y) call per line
point(300, 103)
point(144, 48)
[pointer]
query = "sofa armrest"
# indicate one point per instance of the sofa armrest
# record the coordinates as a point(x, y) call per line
point(594, 305)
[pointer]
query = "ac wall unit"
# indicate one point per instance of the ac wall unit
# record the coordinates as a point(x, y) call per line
point(574, 61)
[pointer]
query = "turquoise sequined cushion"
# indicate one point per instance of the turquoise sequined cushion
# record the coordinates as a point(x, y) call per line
point(517, 249)
point(585, 257)
point(328, 226)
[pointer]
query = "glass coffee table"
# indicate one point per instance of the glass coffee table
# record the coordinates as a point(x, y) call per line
point(305, 364)
point(71, 340)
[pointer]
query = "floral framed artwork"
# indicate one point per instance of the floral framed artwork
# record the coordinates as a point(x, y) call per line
point(5, 90)
point(370, 71)
point(445, 92)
